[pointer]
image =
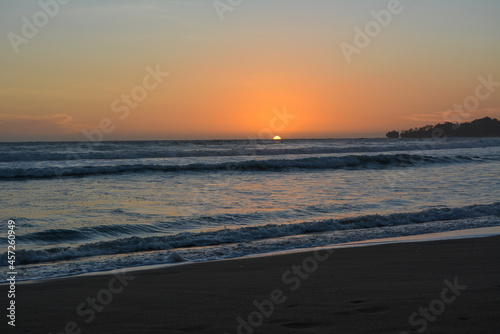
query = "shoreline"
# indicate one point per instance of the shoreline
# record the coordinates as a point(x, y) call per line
point(428, 237)
point(357, 289)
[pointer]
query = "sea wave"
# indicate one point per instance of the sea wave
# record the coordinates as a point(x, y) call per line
point(342, 162)
point(248, 234)
point(23, 152)
point(86, 233)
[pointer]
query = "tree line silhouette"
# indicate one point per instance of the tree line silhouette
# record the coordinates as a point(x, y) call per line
point(484, 127)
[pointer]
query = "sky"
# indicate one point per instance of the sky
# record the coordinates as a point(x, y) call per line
point(216, 69)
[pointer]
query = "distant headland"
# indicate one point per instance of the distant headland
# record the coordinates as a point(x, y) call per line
point(484, 127)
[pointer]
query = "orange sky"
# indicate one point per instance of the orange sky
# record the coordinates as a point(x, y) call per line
point(228, 78)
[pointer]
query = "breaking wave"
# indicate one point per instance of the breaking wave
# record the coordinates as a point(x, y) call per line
point(248, 234)
point(343, 162)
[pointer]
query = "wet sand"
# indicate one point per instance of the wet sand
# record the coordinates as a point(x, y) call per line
point(450, 286)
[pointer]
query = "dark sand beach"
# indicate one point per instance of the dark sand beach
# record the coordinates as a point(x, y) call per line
point(352, 290)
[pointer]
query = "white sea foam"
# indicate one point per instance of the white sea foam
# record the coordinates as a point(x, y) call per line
point(342, 162)
point(341, 238)
point(18, 152)
point(127, 204)
point(249, 234)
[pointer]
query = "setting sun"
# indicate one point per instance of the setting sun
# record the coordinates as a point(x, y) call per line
point(252, 129)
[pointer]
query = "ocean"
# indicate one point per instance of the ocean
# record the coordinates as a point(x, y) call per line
point(96, 206)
